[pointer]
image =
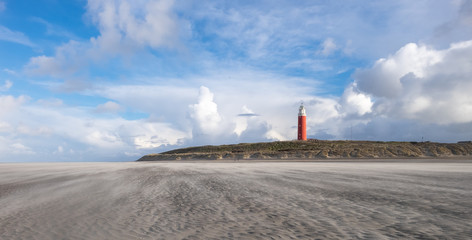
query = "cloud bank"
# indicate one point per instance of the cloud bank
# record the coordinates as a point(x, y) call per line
point(421, 83)
point(417, 93)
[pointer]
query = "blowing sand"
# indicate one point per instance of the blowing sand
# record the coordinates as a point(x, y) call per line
point(243, 200)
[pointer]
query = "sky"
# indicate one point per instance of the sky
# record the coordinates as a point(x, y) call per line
point(112, 80)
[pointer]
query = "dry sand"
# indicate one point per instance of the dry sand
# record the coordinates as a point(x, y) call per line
point(241, 200)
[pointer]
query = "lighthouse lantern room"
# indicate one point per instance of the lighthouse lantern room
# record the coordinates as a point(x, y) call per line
point(302, 123)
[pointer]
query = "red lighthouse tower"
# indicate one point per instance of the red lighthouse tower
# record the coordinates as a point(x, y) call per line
point(301, 123)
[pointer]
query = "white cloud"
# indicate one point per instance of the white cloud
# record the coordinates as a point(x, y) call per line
point(13, 36)
point(328, 47)
point(9, 71)
point(145, 23)
point(205, 114)
point(384, 78)
point(154, 100)
point(108, 107)
point(103, 138)
point(321, 109)
point(39, 130)
point(242, 120)
point(10, 104)
point(125, 28)
point(355, 102)
point(8, 84)
point(5, 127)
point(69, 58)
point(39, 127)
point(152, 135)
point(422, 83)
point(9, 147)
point(18, 148)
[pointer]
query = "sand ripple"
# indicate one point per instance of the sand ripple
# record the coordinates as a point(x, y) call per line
point(242, 200)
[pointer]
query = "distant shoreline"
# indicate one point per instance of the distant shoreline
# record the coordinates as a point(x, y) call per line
point(318, 150)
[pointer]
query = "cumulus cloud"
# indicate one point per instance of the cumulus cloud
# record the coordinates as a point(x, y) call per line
point(205, 114)
point(321, 110)
point(384, 78)
point(125, 27)
point(242, 120)
point(355, 102)
point(422, 83)
point(145, 23)
point(69, 58)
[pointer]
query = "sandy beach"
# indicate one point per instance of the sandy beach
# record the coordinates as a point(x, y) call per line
point(236, 200)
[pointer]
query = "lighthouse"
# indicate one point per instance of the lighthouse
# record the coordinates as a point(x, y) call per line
point(301, 123)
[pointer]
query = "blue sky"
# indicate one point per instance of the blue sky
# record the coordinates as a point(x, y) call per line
point(111, 80)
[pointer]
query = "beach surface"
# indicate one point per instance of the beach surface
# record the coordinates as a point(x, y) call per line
point(237, 200)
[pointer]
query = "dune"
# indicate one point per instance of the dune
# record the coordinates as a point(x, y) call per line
point(317, 149)
point(241, 200)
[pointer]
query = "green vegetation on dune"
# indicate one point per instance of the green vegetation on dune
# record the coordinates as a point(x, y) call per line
point(316, 149)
